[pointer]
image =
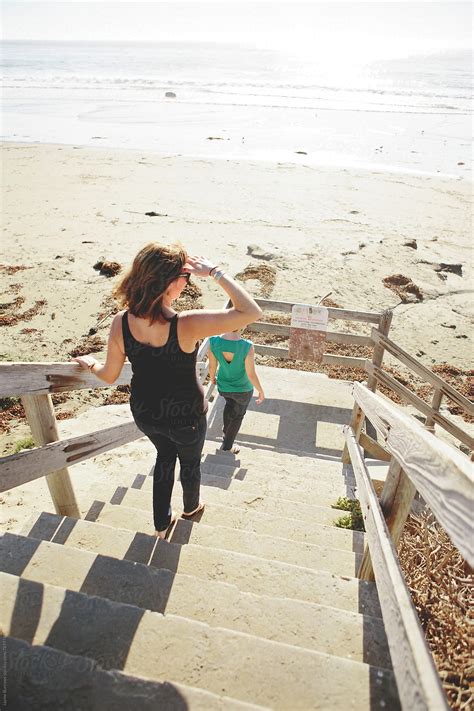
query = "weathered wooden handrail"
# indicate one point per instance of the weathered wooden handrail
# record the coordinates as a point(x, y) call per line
point(441, 473)
point(18, 469)
point(418, 682)
point(44, 378)
point(35, 382)
point(408, 396)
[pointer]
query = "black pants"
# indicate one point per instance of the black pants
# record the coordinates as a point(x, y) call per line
point(184, 443)
point(236, 405)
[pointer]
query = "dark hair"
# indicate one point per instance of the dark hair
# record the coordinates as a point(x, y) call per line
point(143, 286)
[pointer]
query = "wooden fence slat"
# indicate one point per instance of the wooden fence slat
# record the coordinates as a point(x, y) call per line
point(423, 371)
point(418, 683)
point(441, 473)
point(373, 448)
point(346, 361)
point(420, 404)
point(350, 339)
point(342, 314)
point(328, 358)
point(18, 469)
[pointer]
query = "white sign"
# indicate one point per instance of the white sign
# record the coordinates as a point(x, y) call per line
point(312, 318)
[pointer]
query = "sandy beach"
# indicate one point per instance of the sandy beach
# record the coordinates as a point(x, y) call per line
point(317, 230)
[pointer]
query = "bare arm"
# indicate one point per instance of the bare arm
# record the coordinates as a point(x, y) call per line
point(212, 366)
point(199, 324)
point(252, 375)
point(115, 355)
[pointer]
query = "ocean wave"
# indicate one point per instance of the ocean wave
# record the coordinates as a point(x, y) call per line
point(77, 81)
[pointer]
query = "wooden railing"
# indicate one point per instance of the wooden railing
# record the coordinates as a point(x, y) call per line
point(383, 321)
point(443, 476)
point(35, 382)
point(381, 344)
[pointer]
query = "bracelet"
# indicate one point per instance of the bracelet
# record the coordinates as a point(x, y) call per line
point(92, 365)
point(218, 274)
point(212, 270)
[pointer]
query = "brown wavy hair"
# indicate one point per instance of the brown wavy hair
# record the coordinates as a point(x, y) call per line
point(142, 288)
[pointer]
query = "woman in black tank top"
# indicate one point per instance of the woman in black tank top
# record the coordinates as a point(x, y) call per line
point(167, 400)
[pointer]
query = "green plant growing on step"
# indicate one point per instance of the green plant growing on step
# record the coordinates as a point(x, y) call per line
point(24, 443)
point(353, 520)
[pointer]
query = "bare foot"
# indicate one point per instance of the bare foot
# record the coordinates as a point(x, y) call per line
point(235, 449)
point(162, 534)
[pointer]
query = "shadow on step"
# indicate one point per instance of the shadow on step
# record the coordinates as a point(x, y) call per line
point(75, 683)
point(57, 529)
point(89, 626)
point(296, 425)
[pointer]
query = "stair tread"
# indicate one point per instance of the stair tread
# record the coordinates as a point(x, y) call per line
point(321, 493)
point(257, 521)
point(302, 624)
point(249, 508)
point(248, 573)
point(77, 683)
point(309, 555)
point(158, 647)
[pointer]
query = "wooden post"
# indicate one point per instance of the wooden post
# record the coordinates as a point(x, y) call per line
point(357, 418)
point(42, 421)
point(435, 404)
point(379, 350)
point(395, 500)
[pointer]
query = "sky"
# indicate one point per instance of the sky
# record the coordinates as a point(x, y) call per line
point(268, 24)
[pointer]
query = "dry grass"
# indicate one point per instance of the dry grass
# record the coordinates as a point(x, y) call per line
point(108, 268)
point(403, 286)
point(11, 319)
point(118, 396)
point(441, 585)
point(264, 273)
point(90, 344)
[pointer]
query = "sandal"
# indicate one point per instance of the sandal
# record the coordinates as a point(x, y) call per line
point(188, 516)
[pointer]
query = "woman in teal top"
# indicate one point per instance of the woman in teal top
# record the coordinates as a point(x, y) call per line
point(236, 378)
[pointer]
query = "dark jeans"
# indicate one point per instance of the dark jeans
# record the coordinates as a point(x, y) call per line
point(184, 443)
point(236, 405)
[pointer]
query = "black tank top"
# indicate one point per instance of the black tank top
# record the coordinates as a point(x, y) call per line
point(165, 390)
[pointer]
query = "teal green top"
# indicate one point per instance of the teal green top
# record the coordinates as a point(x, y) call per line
point(231, 377)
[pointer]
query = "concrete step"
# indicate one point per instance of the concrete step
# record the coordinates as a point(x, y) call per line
point(266, 465)
point(157, 647)
point(322, 492)
point(243, 500)
point(42, 678)
point(302, 624)
point(307, 467)
point(256, 521)
point(293, 458)
point(341, 562)
point(249, 573)
point(276, 482)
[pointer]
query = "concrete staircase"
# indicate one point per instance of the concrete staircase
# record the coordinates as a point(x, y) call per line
point(256, 605)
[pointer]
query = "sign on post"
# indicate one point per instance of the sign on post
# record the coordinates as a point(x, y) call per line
point(308, 332)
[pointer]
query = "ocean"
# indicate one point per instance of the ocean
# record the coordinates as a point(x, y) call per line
point(234, 101)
